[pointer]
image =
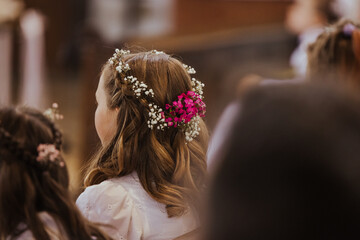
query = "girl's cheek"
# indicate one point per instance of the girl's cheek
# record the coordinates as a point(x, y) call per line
point(97, 122)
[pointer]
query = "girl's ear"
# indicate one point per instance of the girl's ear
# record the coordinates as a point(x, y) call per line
point(117, 109)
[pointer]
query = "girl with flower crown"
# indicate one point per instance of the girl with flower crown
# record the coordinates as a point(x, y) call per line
point(34, 199)
point(145, 180)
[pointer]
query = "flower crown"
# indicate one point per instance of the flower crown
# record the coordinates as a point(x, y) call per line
point(184, 112)
point(46, 153)
point(53, 113)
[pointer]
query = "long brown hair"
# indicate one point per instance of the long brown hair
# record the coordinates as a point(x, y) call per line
point(335, 56)
point(171, 171)
point(28, 187)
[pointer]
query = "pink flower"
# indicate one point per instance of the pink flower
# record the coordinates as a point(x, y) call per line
point(47, 151)
point(188, 102)
point(179, 104)
point(183, 110)
point(183, 95)
point(191, 110)
point(191, 93)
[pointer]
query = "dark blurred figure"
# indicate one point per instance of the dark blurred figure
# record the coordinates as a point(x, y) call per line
point(292, 168)
point(335, 56)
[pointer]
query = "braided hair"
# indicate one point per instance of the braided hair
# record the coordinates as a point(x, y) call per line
point(13, 146)
point(18, 146)
point(30, 184)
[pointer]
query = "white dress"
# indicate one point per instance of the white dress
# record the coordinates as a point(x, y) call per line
point(129, 212)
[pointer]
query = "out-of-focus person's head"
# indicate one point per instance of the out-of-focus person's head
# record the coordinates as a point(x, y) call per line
point(292, 169)
point(335, 56)
point(34, 181)
point(305, 14)
point(28, 183)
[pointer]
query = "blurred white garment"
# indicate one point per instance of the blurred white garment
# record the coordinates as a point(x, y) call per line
point(299, 58)
point(116, 20)
point(157, 18)
point(32, 26)
point(349, 9)
point(109, 19)
point(50, 227)
point(5, 65)
point(222, 131)
point(130, 213)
